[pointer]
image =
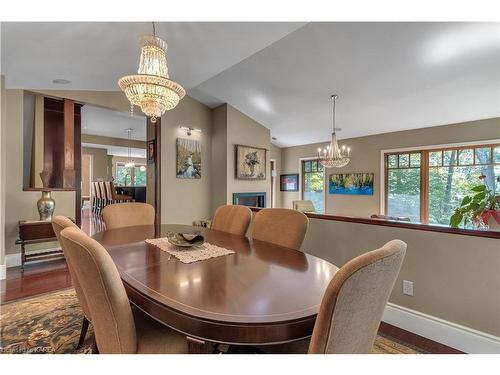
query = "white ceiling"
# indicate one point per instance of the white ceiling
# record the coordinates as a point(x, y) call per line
point(389, 76)
point(109, 123)
point(118, 150)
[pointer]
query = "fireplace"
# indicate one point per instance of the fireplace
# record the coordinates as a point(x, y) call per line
point(250, 199)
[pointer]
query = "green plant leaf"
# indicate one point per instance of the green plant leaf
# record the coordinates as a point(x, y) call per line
point(479, 196)
point(479, 188)
point(456, 219)
point(467, 199)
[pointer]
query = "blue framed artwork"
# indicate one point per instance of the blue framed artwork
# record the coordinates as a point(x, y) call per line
point(351, 183)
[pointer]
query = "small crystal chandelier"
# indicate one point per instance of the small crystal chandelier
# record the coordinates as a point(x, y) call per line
point(151, 89)
point(333, 156)
point(131, 162)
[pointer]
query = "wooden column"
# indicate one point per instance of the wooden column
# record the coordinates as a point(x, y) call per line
point(157, 126)
point(69, 144)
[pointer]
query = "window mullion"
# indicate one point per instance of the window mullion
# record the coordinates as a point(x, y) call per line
point(424, 187)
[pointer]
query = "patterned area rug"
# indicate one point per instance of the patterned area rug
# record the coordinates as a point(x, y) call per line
point(51, 323)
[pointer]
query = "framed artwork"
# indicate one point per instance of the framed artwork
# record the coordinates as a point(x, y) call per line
point(150, 149)
point(188, 158)
point(250, 163)
point(289, 182)
point(351, 183)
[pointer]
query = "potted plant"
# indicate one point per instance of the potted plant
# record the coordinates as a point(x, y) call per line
point(481, 208)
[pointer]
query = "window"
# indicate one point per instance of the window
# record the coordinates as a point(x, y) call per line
point(125, 176)
point(403, 185)
point(313, 176)
point(428, 185)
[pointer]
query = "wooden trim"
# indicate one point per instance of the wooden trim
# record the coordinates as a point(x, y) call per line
point(401, 224)
point(157, 162)
point(407, 225)
point(423, 343)
point(48, 189)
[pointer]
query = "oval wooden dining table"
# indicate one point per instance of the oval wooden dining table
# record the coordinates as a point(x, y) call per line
point(262, 294)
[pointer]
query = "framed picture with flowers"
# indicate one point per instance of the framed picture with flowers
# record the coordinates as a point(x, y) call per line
point(251, 163)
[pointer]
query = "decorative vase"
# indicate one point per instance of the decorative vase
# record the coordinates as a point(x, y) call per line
point(46, 205)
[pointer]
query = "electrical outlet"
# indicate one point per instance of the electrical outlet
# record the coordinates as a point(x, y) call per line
point(408, 287)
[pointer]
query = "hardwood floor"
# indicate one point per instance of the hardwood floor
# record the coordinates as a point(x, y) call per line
point(54, 275)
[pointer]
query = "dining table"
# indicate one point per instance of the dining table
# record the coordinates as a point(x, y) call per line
point(262, 294)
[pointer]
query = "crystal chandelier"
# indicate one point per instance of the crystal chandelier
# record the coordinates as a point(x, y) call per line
point(151, 89)
point(333, 156)
point(130, 163)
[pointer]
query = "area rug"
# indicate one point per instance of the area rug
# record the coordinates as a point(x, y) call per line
point(51, 323)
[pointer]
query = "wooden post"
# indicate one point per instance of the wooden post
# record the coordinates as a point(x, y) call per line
point(69, 144)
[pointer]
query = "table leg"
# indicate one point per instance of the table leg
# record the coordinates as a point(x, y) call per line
point(196, 346)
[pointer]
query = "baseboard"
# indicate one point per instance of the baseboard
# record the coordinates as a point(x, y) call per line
point(14, 260)
point(3, 271)
point(448, 333)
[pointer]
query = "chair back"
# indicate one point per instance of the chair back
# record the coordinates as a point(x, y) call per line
point(233, 219)
point(303, 206)
point(59, 223)
point(102, 189)
point(121, 215)
point(109, 193)
point(93, 190)
point(109, 305)
point(280, 226)
point(354, 301)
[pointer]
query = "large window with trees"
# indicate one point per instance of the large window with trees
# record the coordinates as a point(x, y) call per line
point(427, 185)
point(126, 176)
point(313, 176)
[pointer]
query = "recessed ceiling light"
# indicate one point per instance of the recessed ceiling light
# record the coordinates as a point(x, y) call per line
point(60, 81)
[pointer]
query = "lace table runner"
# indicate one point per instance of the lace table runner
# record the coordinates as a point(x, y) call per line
point(190, 254)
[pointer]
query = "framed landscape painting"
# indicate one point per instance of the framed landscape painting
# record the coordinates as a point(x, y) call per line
point(250, 163)
point(188, 158)
point(351, 183)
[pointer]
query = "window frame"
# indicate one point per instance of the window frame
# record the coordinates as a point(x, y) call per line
point(132, 172)
point(424, 168)
point(302, 162)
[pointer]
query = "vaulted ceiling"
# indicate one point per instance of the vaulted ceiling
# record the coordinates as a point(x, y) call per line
point(389, 76)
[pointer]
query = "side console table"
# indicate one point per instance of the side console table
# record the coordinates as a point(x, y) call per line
point(36, 231)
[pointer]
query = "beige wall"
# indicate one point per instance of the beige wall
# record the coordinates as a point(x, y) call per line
point(219, 157)
point(243, 130)
point(275, 154)
point(185, 200)
point(455, 277)
point(366, 158)
point(111, 141)
point(99, 163)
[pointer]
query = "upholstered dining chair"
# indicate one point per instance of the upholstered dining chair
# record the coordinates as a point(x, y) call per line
point(353, 304)
point(303, 206)
point(59, 223)
point(118, 327)
point(280, 226)
point(233, 219)
point(118, 197)
point(121, 215)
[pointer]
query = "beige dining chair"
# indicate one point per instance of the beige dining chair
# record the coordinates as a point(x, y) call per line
point(353, 304)
point(59, 223)
point(303, 206)
point(118, 328)
point(233, 219)
point(280, 226)
point(121, 215)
